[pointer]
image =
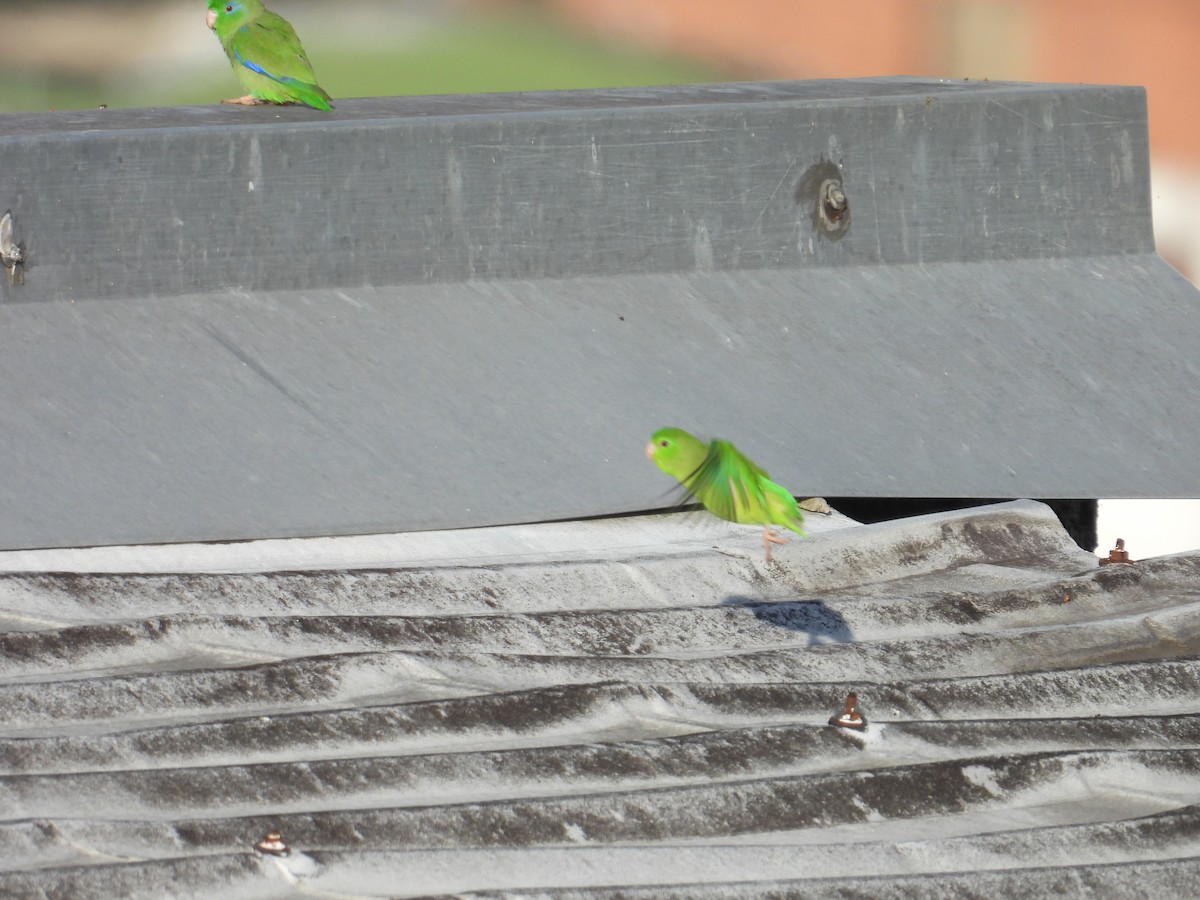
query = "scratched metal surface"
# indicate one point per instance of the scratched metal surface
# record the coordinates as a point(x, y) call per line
point(619, 708)
point(422, 313)
point(130, 203)
point(269, 415)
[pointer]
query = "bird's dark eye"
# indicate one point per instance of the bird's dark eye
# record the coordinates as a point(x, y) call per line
point(228, 7)
point(664, 443)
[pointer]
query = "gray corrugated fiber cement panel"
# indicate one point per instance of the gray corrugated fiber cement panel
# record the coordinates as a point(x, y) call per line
point(620, 707)
point(443, 312)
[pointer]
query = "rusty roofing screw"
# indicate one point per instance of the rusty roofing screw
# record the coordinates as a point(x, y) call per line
point(12, 253)
point(833, 203)
point(273, 843)
point(822, 191)
point(850, 717)
point(1118, 554)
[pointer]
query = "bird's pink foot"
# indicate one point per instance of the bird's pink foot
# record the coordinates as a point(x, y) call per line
point(248, 100)
point(769, 538)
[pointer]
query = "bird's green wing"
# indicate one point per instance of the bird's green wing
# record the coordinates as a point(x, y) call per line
point(782, 508)
point(268, 46)
point(730, 485)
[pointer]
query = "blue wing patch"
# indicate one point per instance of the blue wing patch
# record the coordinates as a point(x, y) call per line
point(255, 67)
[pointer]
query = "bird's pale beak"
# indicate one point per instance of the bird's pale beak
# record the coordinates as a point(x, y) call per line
point(211, 18)
point(650, 451)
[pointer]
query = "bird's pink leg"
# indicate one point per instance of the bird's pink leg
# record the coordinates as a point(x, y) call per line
point(248, 100)
point(769, 538)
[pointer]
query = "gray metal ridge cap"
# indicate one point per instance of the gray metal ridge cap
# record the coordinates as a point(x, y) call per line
point(811, 560)
point(364, 110)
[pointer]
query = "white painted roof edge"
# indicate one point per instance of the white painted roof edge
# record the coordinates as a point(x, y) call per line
point(668, 534)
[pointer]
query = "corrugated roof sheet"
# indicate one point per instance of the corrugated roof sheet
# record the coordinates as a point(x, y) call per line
point(624, 707)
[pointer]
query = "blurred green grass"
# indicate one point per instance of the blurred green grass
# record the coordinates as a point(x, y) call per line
point(500, 53)
point(509, 51)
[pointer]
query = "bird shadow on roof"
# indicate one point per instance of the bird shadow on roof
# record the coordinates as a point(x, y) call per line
point(811, 617)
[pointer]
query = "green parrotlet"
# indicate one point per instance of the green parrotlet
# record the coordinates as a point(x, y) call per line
point(266, 55)
point(729, 484)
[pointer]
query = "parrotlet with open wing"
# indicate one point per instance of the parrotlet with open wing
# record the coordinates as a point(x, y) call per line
point(266, 55)
point(729, 484)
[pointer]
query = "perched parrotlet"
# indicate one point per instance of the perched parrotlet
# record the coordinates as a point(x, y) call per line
point(266, 55)
point(729, 484)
